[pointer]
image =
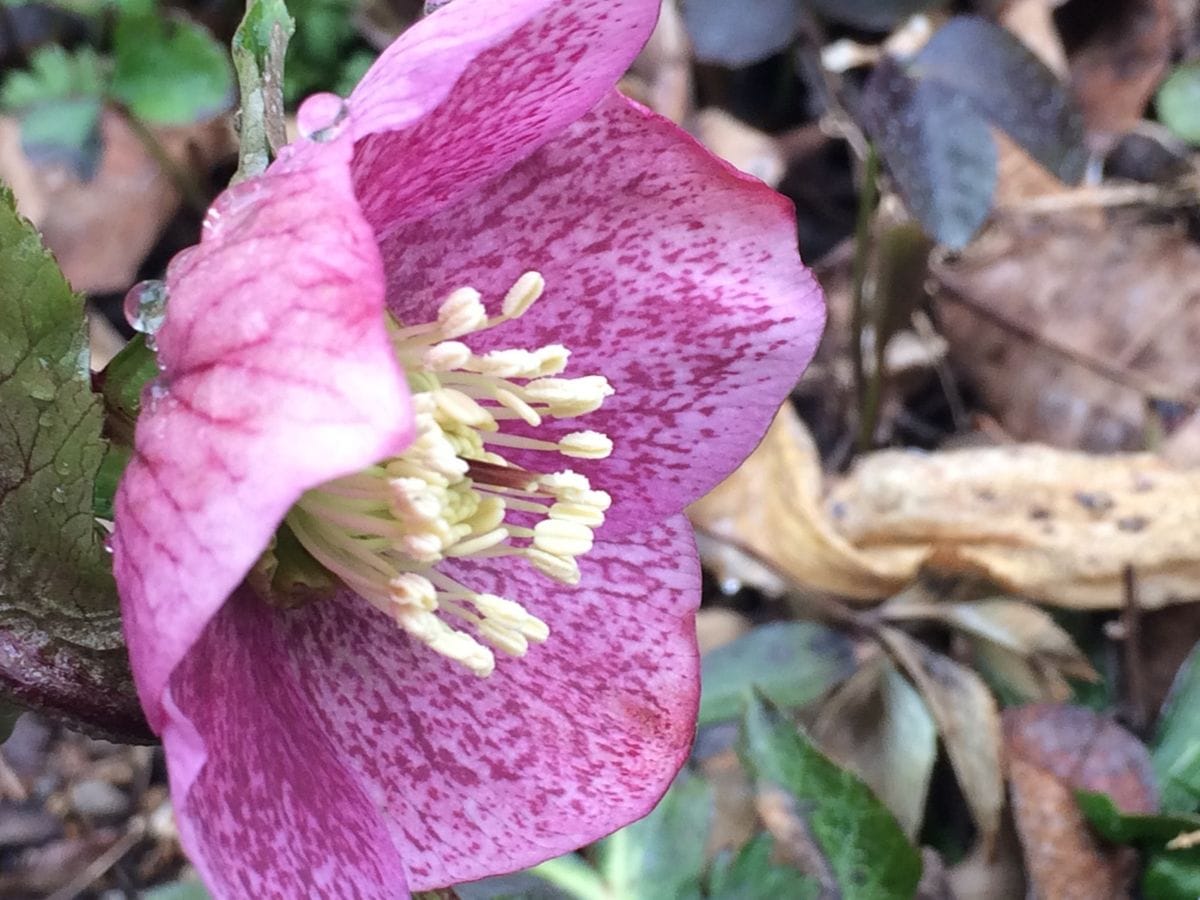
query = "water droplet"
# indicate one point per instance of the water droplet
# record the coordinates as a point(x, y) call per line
point(108, 545)
point(62, 467)
point(38, 381)
point(47, 418)
point(322, 117)
point(146, 306)
point(59, 494)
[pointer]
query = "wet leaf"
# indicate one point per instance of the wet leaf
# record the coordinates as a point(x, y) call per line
point(792, 663)
point(60, 632)
point(1179, 102)
point(937, 147)
point(661, 855)
point(1176, 753)
point(737, 34)
point(861, 850)
point(967, 720)
point(169, 72)
point(752, 875)
point(878, 727)
point(1010, 87)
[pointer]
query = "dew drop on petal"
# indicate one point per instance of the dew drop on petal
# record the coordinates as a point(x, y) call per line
point(321, 117)
point(59, 495)
point(146, 306)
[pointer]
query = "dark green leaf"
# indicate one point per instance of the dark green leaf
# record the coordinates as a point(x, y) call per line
point(751, 875)
point(880, 15)
point(737, 34)
point(1176, 750)
point(1132, 828)
point(793, 663)
point(661, 855)
point(938, 149)
point(169, 72)
point(1179, 102)
point(1009, 87)
point(862, 848)
point(58, 102)
point(259, 47)
point(60, 632)
point(1173, 875)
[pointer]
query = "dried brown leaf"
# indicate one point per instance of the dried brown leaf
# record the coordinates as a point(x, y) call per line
point(1053, 751)
point(968, 721)
point(772, 506)
point(1052, 525)
point(754, 152)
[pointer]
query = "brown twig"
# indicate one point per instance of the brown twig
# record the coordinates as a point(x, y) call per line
point(1135, 669)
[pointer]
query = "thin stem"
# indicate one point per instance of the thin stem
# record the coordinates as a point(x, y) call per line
point(868, 399)
point(574, 876)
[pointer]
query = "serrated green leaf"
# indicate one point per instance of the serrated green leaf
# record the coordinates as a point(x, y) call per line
point(58, 101)
point(661, 855)
point(751, 875)
point(60, 632)
point(1178, 102)
point(862, 848)
point(169, 72)
point(793, 663)
point(1176, 750)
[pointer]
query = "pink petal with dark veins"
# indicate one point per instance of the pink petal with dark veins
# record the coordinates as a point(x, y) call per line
point(278, 375)
point(266, 808)
point(667, 271)
point(476, 87)
point(583, 735)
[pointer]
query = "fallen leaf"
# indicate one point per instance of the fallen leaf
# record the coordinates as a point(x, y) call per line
point(1052, 525)
point(877, 726)
point(1068, 328)
point(101, 230)
point(1053, 751)
point(754, 152)
point(967, 720)
point(772, 506)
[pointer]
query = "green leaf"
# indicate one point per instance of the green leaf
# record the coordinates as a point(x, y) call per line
point(259, 47)
point(58, 101)
point(60, 632)
point(793, 663)
point(1150, 829)
point(1173, 875)
point(169, 72)
point(751, 875)
point(1179, 102)
point(861, 847)
point(661, 855)
point(1176, 751)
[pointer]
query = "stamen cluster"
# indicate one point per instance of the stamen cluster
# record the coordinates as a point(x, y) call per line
point(452, 494)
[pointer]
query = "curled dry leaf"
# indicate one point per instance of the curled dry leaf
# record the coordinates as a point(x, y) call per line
point(772, 505)
point(1052, 525)
point(967, 720)
point(1053, 751)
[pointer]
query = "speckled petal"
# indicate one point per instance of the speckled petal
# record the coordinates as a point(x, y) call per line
point(265, 807)
point(476, 87)
point(258, 401)
point(667, 271)
point(481, 776)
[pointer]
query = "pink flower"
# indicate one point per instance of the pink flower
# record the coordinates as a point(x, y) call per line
point(348, 747)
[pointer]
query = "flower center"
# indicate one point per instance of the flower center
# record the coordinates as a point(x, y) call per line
point(451, 494)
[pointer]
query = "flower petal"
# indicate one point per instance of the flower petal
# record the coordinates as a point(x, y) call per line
point(264, 805)
point(477, 86)
point(667, 271)
point(583, 735)
point(259, 399)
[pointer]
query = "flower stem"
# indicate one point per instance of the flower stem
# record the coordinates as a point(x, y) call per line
point(868, 399)
point(574, 876)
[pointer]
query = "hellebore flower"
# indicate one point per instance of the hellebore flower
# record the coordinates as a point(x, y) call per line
point(328, 364)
